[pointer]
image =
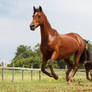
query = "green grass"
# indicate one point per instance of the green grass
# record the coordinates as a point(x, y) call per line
point(46, 84)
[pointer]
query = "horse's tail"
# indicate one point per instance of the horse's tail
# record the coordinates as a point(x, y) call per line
point(86, 54)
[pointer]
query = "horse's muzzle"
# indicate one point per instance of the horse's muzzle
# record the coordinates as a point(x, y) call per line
point(32, 27)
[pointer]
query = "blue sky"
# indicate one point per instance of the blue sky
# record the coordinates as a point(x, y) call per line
point(64, 15)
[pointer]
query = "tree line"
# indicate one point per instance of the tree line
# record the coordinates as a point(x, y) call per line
point(32, 57)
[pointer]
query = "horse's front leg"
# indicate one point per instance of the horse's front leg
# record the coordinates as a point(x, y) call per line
point(44, 62)
point(53, 58)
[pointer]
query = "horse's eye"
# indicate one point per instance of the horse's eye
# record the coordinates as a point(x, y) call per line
point(39, 16)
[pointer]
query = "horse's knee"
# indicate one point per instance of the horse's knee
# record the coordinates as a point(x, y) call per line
point(75, 67)
point(50, 63)
point(70, 67)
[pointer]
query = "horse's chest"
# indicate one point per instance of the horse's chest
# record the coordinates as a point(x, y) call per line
point(46, 51)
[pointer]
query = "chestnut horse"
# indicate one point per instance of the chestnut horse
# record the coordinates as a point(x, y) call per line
point(55, 46)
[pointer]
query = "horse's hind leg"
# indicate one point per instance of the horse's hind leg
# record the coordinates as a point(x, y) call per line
point(77, 58)
point(87, 74)
point(70, 66)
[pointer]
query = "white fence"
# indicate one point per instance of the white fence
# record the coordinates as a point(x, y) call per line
point(29, 69)
point(19, 68)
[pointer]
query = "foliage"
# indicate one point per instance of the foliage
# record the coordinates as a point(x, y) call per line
point(0, 64)
point(90, 45)
point(27, 57)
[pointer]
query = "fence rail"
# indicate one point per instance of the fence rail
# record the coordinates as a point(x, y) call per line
point(19, 68)
point(2, 68)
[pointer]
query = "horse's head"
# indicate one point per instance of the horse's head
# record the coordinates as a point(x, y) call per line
point(37, 18)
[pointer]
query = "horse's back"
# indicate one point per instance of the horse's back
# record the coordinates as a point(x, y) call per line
point(79, 39)
point(75, 35)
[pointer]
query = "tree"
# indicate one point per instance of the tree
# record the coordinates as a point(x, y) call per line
point(90, 46)
point(27, 57)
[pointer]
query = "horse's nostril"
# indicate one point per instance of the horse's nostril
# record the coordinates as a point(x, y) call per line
point(32, 25)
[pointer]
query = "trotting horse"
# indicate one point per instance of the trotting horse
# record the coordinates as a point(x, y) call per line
point(55, 46)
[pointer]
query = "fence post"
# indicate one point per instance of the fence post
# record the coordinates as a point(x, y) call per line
point(39, 75)
point(13, 73)
point(23, 73)
point(31, 72)
point(65, 68)
point(2, 71)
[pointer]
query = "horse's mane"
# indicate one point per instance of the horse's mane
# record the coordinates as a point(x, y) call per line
point(52, 31)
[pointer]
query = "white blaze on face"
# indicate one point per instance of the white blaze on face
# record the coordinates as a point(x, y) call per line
point(35, 13)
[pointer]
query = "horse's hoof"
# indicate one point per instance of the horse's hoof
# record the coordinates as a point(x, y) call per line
point(70, 80)
point(51, 75)
point(55, 77)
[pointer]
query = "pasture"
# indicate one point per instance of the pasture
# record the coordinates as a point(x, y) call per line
point(46, 84)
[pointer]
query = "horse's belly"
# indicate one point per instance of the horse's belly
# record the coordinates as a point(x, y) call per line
point(66, 55)
point(67, 51)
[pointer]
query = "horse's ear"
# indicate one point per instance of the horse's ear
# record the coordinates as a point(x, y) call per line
point(34, 9)
point(40, 8)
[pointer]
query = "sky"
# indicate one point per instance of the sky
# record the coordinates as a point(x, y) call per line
point(64, 15)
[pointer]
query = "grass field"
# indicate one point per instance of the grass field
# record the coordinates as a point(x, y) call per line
point(46, 84)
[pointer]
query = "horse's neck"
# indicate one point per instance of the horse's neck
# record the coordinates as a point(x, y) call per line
point(46, 32)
